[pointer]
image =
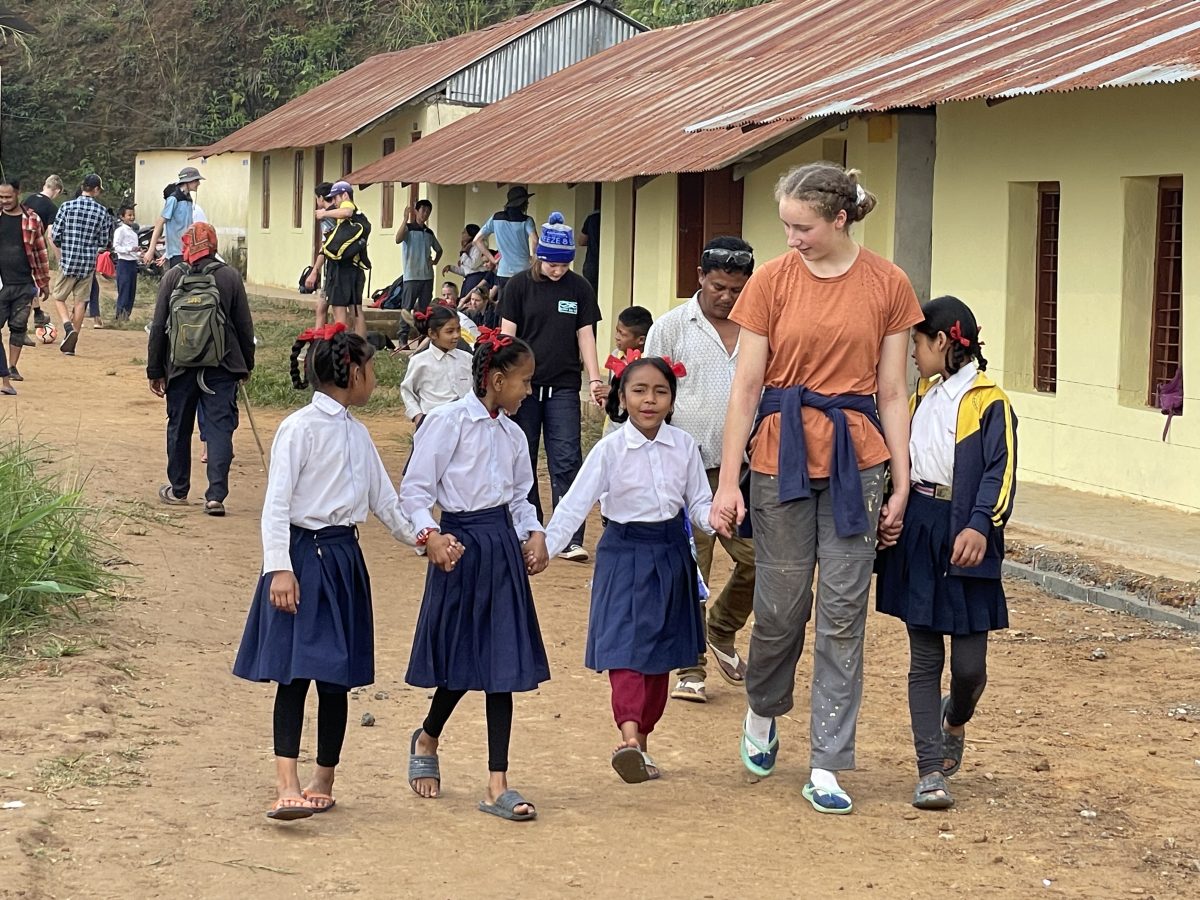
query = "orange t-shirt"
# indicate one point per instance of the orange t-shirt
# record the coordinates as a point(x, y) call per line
point(826, 334)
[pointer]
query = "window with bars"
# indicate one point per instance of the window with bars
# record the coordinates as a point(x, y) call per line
point(388, 196)
point(266, 192)
point(347, 159)
point(1166, 328)
point(1046, 324)
point(298, 203)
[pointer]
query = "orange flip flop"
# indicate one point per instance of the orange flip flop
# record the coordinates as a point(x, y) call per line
point(287, 809)
point(314, 798)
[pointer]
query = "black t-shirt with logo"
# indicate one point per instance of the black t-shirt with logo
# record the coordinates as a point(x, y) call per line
point(548, 314)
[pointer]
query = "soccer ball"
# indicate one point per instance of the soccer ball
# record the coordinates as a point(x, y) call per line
point(46, 333)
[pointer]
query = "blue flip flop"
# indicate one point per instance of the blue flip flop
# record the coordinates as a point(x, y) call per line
point(762, 761)
point(834, 803)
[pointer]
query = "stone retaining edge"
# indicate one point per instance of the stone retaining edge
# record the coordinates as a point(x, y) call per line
point(1077, 592)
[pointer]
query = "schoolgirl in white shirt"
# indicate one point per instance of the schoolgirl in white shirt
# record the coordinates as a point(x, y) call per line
point(311, 617)
point(478, 629)
point(645, 619)
point(941, 574)
point(441, 373)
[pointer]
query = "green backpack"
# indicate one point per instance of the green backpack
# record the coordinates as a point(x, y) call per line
point(196, 321)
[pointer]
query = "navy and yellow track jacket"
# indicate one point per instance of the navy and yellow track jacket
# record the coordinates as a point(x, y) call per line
point(985, 468)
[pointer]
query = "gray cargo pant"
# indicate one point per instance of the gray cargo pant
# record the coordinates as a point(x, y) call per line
point(789, 539)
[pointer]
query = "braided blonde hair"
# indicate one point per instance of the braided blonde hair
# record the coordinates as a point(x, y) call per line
point(829, 188)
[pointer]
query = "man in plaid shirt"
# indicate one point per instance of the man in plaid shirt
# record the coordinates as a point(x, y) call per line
point(24, 271)
point(81, 230)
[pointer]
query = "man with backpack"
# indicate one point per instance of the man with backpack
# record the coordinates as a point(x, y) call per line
point(201, 348)
point(346, 262)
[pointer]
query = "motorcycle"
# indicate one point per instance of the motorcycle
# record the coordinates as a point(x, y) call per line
point(159, 263)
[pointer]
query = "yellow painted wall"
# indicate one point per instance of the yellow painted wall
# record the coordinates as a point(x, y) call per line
point(224, 194)
point(275, 255)
point(1104, 148)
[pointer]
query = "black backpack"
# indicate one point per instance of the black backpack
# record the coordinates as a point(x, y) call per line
point(347, 243)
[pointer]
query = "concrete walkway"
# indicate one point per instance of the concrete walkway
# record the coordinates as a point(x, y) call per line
point(1124, 532)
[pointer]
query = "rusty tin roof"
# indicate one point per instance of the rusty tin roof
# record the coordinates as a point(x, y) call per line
point(358, 97)
point(667, 101)
point(936, 51)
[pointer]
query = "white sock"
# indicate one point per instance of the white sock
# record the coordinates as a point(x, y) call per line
point(759, 728)
point(824, 780)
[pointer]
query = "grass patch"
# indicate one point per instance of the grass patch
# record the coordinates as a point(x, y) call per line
point(276, 324)
point(51, 548)
point(61, 773)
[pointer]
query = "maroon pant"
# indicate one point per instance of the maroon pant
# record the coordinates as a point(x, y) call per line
point(638, 698)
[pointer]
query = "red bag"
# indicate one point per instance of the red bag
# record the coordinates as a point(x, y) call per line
point(105, 265)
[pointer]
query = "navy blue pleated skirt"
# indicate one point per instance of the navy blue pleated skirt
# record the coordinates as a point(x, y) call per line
point(646, 613)
point(478, 629)
point(913, 584)
point(331, 637)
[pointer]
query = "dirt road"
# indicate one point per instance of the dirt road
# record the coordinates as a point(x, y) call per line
point(145, 767)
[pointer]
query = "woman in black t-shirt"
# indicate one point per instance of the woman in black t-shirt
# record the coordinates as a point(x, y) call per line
point(554, 310)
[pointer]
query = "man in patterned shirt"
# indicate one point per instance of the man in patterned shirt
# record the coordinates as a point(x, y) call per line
point(81, 230)
point(701, 336)
point(24, 273)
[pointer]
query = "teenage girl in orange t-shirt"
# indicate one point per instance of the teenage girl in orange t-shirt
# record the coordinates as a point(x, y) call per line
point(825, 332)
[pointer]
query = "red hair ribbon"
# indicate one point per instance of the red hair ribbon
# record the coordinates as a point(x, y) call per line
point(421, 316)
point(956, 335)
point(321, 334)
point(617, 365)
point(493, 339)
point(676, 367)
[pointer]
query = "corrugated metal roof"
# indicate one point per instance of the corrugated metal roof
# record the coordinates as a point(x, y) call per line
point(352, 101)
point(969, 49)
point(625, 112)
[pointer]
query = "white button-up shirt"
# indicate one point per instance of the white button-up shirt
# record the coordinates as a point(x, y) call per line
point(324, 471)
point(686, 335)
point(435, 378)
point(636, 480)
point(932, 437)
point(464, 460)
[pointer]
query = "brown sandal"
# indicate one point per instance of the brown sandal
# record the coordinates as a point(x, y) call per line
point(287, 809)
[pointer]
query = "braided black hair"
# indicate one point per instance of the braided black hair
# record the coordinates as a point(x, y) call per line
point(489, 358)
point(949, 314)
point(436, 317)
point(328, 359)
point(613, 407)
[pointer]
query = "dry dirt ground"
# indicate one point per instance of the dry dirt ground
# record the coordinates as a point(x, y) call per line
point(145, 767)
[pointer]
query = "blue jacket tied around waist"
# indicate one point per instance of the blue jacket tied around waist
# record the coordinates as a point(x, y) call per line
point(845, 486)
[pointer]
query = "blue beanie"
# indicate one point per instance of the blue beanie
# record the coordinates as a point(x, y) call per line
point(556, 243)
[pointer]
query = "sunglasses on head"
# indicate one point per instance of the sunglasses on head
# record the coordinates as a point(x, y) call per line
point(722, 257)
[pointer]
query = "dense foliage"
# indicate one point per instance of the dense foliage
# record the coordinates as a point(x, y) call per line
point(102, 79)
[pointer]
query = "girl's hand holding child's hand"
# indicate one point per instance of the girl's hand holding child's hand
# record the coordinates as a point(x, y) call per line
point(444, 551)
point(536, 555)
point(969, 548)
point(285, 592)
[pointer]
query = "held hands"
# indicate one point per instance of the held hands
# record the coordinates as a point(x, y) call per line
point(969, 548)
point(728, 510)
point(444, 551)
point(285, 592)
point(599, 391)
point(536, 555)
point(891, 520)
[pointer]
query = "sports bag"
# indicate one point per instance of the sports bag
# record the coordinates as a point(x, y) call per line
point(196, 319)
point(347, 243)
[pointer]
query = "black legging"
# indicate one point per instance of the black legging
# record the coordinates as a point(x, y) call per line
point(332, 708)
point(499, 709)
point(968, 677)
